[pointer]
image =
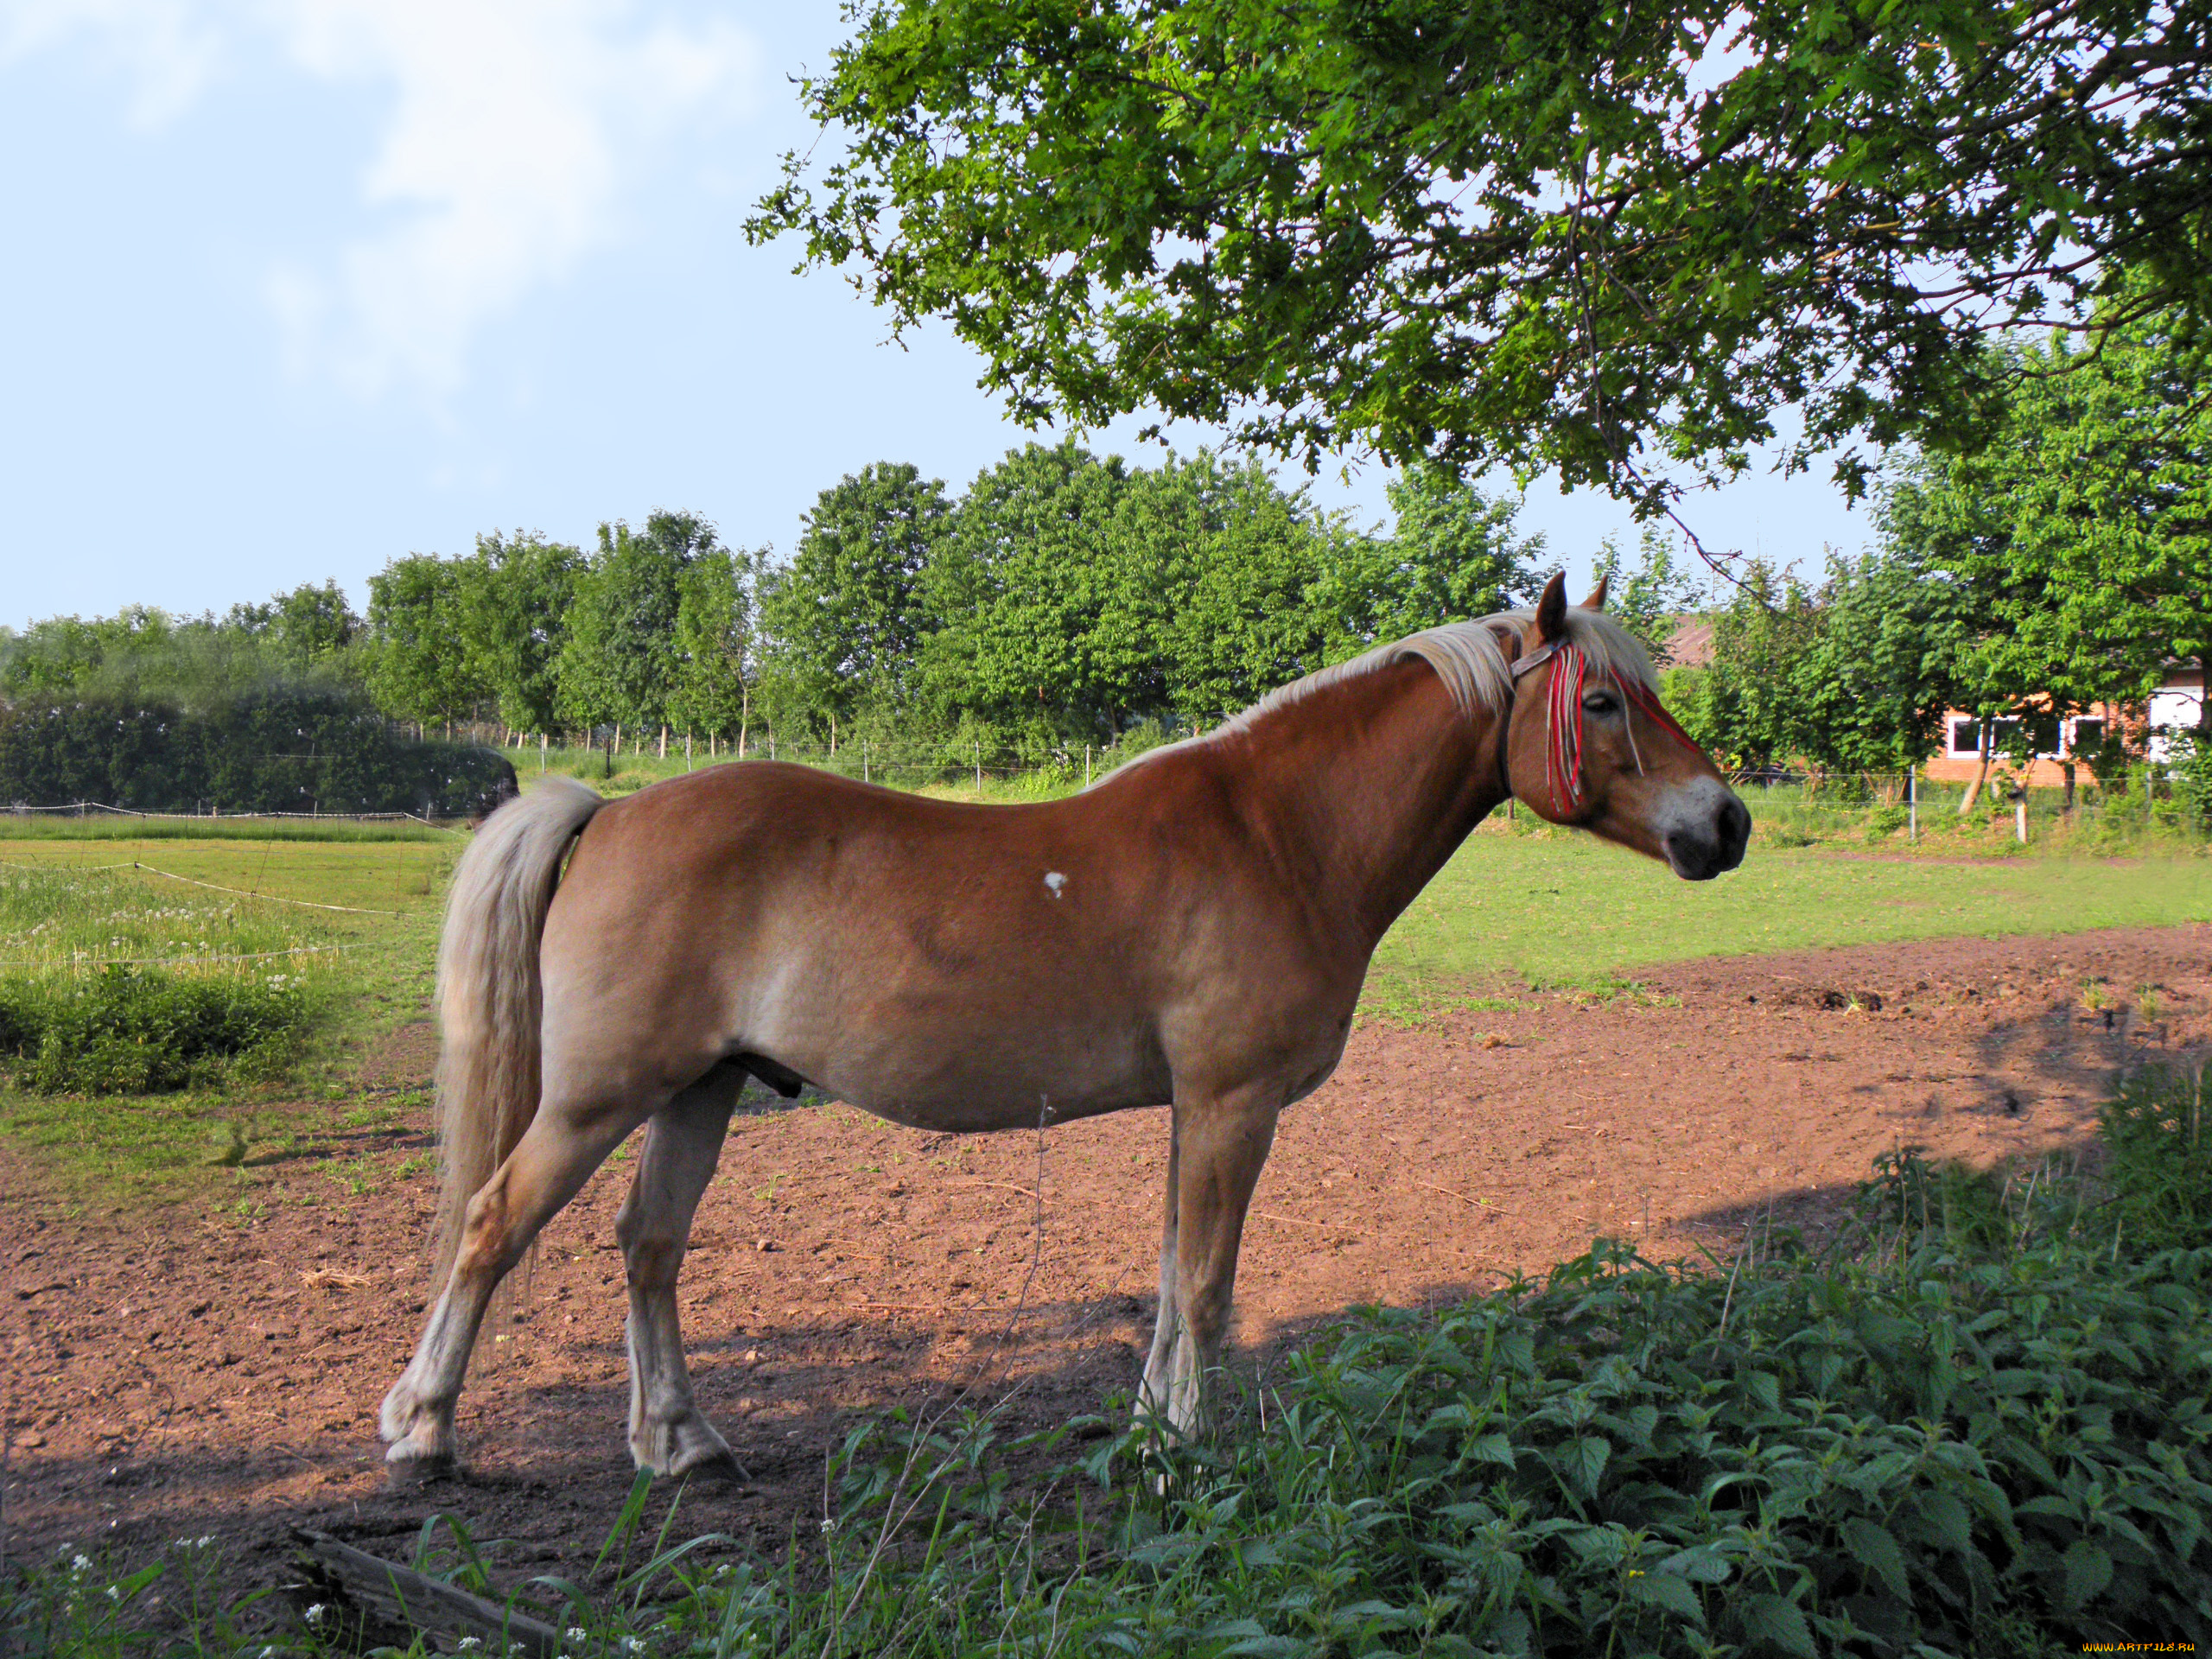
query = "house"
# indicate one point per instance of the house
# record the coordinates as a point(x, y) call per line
point(2056, 741)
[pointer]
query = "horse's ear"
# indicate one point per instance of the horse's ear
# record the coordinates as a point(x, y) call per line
point(1551, 609)
point(1597, 600)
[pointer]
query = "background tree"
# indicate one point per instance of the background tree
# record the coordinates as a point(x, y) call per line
point(619, 663)
point(418, 665)
point(1018, 588)
point(1651, 599)
point(1886, 659)
point(1603, 241)
point(716, 642)
point(514, 596)
point(847, 614)
point(1742, 707)
point(2087, 528)
point(1453, 554)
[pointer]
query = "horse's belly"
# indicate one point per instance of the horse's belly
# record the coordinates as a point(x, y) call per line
point(960, 1075)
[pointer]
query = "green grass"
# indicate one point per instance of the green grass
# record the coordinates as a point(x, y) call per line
point(260, 1046)
point(1557, 908)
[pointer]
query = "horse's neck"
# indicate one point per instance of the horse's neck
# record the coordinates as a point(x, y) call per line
point(1378, 778)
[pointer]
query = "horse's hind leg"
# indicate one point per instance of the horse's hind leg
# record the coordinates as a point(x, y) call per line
point(552, 1161)
point(668, 1433)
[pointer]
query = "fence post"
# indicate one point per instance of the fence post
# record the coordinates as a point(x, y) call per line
point(979, 766)
point(864, 777)
point(1912, 803)
point(1086, 766)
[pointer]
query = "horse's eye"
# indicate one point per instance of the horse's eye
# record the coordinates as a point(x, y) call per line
point(1599, 702)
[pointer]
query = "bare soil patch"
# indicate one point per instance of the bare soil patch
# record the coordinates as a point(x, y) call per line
point(202, 1371)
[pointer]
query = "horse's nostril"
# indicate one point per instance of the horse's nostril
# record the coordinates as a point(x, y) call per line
point(1735, 824)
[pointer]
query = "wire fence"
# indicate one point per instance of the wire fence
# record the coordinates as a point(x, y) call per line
point(102, 809)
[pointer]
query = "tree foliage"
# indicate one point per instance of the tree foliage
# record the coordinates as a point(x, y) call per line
point(420, 667)
point(512, 600)
point(1602, 240)
point(2087, 527)
point(620, 662)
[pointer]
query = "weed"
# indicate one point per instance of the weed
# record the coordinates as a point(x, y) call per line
point(2147, 1005)
point(2158, 1161)
point(2096, 995)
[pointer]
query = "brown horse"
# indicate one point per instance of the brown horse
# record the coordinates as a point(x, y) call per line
point(1192, 931)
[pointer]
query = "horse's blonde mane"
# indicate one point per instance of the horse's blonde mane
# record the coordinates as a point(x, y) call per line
point(1466, 657)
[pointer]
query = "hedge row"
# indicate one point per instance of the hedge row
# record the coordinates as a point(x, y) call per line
point(279, 749)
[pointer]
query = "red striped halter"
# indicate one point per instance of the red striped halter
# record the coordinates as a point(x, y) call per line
point(1563, 718)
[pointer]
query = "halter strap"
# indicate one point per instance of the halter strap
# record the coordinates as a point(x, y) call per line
point(1563, 718)
point(1521, 664)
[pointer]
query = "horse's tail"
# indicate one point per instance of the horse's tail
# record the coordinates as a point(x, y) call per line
point(489, 989)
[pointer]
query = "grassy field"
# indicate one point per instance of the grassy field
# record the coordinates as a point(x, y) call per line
point(1551, 908)
point(72, 907)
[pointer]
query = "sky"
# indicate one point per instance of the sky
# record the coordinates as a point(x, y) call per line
point(294, 287)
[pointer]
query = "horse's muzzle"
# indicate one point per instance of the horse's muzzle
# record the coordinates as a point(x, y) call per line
point(1706, 830)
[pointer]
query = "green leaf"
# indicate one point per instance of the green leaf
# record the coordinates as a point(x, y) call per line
point(2088, 1570)
point(1584, 1460)
point(1491, 1448)
point(1874, 1547)
point(1667, 1591)
point(1776, 1619)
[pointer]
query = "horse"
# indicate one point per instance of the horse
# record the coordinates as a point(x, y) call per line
point(1193, 930)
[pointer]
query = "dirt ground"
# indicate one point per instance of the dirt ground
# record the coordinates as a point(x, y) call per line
point(188, 1372)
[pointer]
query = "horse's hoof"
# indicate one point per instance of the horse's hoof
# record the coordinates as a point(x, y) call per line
point(721, 1468)
point(411, 1471)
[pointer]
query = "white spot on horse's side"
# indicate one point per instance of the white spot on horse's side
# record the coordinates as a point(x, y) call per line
point(1054, 881)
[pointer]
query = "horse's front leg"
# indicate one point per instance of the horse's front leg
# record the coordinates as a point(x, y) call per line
point(1221, 1143)
point(669, 1434)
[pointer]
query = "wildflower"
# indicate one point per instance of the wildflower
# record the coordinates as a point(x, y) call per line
point(81, 1564)
point(315, 1614)
point(469, 1644)
point(827, 1525)
point(206, 1538)
point(114, 1592)
point(577, 1633)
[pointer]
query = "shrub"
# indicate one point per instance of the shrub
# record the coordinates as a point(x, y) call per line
point(2159, 1162)
point(131, 1031)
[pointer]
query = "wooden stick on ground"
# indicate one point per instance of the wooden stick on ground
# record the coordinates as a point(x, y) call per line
point(391, 1594)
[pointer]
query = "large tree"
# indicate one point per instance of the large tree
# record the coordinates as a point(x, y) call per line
point(419, 666)
point(2087, 529)
point(514, 596)
point(1609, 240)
point(620, 664)
point(847, 614)
point(717, 641)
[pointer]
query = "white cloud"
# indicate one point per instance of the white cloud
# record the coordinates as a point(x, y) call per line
point(167, 49)
point(518, 133)
point(516, 130)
